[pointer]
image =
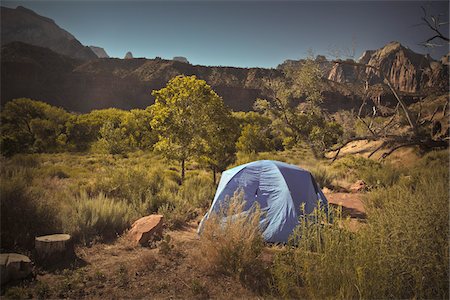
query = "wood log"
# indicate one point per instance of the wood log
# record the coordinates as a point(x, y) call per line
point(54, 248)
point(14, 266)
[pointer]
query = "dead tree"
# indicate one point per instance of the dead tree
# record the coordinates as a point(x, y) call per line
point(416, 136)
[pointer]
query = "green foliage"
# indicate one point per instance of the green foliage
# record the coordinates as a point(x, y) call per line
point(300, 120)
point(402, 251)
point(191, 121)
point(98, 216)
point(136, 127)
point(112, 140)
point(253, 139)
point(25, 212)
point(31, 126)
point(374, 174)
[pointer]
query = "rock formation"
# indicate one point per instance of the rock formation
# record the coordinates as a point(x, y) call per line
point(100, 52)
point(129, 55)
point(145, 230)
point(24, 25)
point(180, 59)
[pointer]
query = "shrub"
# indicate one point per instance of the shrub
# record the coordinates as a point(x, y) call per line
point(374, 174)
point(322, 175)
point(98, 216)
point(231, 240)
point(402, 252)
point(25, 213)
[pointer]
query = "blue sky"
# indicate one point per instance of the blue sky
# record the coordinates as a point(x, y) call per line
point(240, 33)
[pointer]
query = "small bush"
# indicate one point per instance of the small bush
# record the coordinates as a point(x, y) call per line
point(231, 240)
point(98, 216)
point(323, 176)
point(374, 174)
point(25, 211)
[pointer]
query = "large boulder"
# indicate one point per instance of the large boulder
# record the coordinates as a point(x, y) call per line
point(14, 266)
point(145, 230)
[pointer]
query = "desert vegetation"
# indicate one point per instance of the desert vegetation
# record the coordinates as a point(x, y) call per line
point(92, 175)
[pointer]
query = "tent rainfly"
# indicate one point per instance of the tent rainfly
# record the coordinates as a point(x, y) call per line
point(279, 188)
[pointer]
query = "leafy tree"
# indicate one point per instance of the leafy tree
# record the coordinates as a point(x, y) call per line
point(112, 139)
point(32, 126)
point(222, 132)
point(84, 129)
point(137, 129)
point(253, 139)
point(300, 121)
point(188, 116)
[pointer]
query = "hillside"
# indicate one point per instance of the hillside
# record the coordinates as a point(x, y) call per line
point(40, 60)
point(24, 25)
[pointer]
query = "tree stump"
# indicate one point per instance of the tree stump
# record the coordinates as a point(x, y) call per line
point(54, 248)
point(14, 266)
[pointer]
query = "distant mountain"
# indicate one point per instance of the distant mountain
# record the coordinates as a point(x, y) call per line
point(100, 52)
point(122, 83)
point(408, 71)
point(24, 25)
point(39, 73)
point(63, 72)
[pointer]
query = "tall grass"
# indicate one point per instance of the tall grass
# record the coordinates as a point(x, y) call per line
point(98, 217)
point(373, 173)
point(402, 251)
point(231, 240)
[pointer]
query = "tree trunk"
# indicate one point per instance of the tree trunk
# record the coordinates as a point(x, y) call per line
point(214, 175)
point(54, 248)
point(182, 170)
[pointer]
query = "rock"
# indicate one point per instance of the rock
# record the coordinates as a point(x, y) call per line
point(100, 52)
point(14, 266)
point(146, 229)
point(326, 190)
point(181, 59)
point(24, 25)
point(358, 186)
point(129, 55)
point(54, 248)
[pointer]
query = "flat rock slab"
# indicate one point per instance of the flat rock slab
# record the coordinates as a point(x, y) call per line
point(14, 266)
point(146, 229)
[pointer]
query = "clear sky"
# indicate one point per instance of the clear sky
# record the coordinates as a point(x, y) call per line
point(241, 33)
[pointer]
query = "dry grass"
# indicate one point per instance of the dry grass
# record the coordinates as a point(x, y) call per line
point(231, 238)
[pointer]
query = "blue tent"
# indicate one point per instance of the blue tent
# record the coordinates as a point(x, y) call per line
point(279, 188)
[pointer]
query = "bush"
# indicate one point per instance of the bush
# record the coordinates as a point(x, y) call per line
point(98, 217)
point(323, 176)
point(374, 174)
point(25, 212)
point(402, 252)
point(231, 240)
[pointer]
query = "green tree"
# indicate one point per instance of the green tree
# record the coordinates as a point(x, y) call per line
point(184, 117)
point(300, 121)
point(32, 126)
point(253, 139)
point(222, 132)
point(113, 140)
point(84, 129)
point(137, 128)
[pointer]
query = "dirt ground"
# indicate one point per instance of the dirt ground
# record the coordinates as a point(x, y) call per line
point(171, 270)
